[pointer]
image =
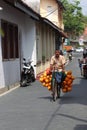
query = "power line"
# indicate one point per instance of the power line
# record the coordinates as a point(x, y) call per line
point(51, 12)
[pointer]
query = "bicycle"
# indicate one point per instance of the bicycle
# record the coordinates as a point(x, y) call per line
point(56, 85)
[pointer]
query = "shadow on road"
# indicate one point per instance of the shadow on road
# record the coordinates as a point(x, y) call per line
point(80, 127)
point(79, 90)
point(77, 95)
point(72, 117)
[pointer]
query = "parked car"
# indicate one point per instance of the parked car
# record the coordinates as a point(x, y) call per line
point(79, 50)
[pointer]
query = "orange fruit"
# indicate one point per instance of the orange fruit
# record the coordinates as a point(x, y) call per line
point(69, 82)
point(64, 82)
point(51, 75)
point(44, 74)
point(43, 84)
point(73, 77)
point(41, 76)
point(65, 86)
point(41, 79)
point(50, 83)
point(69, 88)
point(50, 79)
point(44, 77)
point(46, 84)
point(64, 90)
point(48, 76)
point(69, 72)
point(46, 80)
point(69, 76)
point(66, 79)
point(49, 87)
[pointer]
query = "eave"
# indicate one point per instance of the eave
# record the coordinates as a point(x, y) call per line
point(55, 27)
point(18, 4)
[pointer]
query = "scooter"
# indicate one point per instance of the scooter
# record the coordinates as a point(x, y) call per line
point(27, 74)
point(70, 56)
point(83, 67)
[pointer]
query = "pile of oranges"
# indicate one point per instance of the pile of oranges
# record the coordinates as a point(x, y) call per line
point(68, 81)
point(46, 77)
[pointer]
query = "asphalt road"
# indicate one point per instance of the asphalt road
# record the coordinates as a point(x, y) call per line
point(31, 108)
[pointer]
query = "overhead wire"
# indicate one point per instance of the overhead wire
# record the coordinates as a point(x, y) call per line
point(51, 12)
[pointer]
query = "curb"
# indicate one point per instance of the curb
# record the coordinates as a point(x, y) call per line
point(8, 91)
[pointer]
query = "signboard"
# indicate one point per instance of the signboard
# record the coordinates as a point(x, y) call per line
point(81, 41)
point(67, 42)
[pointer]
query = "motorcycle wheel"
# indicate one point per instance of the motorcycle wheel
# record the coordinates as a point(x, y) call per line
point(33, 78)
point(23, 82)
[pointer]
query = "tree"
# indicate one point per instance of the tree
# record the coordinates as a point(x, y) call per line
point(73, 22)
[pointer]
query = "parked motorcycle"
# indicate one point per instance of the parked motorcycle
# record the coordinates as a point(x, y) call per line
point(27, 74)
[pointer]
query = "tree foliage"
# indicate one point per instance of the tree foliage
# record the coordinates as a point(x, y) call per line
point(73, 18)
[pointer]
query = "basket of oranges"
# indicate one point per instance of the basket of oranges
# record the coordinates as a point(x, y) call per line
point(68, 82)
point(46, 78)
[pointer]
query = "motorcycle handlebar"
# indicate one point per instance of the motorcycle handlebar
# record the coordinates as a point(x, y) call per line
point(29, 61)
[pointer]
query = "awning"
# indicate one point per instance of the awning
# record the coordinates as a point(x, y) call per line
point(63, 34)
point(27, 10)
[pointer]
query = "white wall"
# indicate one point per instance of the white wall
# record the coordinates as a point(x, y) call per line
point(10, 70)
point(29, 41)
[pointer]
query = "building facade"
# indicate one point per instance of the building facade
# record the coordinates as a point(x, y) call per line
point(25, 33)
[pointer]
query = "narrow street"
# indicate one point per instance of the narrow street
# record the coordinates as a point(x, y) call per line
point(31, 108)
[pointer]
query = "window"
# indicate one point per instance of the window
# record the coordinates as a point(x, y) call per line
point(10, 49)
